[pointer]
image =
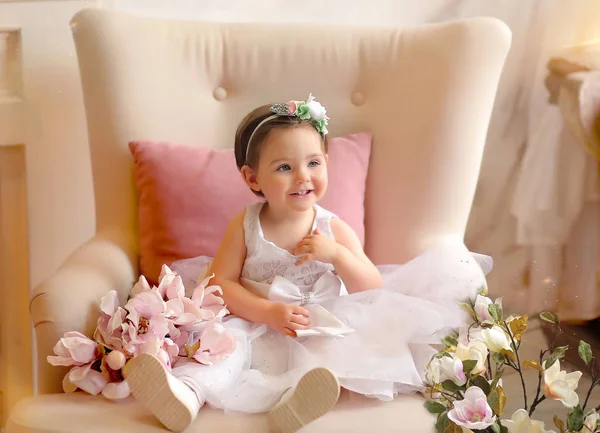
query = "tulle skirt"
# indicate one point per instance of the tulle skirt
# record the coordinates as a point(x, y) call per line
point(395, 331)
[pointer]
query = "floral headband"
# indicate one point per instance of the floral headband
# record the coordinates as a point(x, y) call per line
point(309, 110)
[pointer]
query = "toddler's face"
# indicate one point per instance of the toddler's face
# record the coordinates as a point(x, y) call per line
point(292, 168)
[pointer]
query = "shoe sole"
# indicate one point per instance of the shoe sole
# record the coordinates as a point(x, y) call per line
point(148, 381)
point(316, 394)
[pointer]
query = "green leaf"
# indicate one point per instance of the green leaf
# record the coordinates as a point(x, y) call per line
point(497, 377)
point(558, 353)
point(450, 341)
point(504, 429)
point(575, 419)
point(448, 385)
point(496, 428)
point(434, 406)
point(585, 352)
point(480, 382)
point(550, 317)
point(468, 365)
point(495, 311)
point(442, 422)
point(443, 354)
point(498, 357)
point(493, 399)
point(469, 309)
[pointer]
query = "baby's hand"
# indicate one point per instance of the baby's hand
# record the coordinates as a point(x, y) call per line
point(317, 247)
point(287, 318)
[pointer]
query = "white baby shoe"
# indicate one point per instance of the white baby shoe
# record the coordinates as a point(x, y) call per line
point(316, 394)
point(168, 398)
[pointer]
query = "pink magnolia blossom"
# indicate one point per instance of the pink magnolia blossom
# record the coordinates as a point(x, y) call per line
point(160, 321)
point(194, 314)
point(170, 284)
point(216, 344)
point(74, 348)
point(148, 324)
point(168, 353)
point(86, 379)
point(141, 286)
point(482, 305)
point(112, 330)
point(473, 412)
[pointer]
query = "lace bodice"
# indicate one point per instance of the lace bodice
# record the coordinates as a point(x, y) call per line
point(265, 260)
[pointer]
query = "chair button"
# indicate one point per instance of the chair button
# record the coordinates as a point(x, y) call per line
point(358, 98)
point(220, 93)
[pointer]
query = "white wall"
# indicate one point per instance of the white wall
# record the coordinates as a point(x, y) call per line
point(58, 178)
point(59, 181)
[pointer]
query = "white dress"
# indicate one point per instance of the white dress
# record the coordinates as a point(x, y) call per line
point(377, 342)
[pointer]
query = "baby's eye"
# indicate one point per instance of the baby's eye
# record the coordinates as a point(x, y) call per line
point(284, 167)
point(314, 163)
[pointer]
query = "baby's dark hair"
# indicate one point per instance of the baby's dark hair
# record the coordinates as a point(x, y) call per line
point(249, 124)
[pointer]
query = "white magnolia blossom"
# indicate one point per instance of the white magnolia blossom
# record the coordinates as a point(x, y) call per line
point(496, 339)
point(476, 350)
point(521, 423)
point(558, 385)
point(447, 368)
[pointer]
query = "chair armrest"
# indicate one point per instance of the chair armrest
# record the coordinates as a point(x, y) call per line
point(69, 300)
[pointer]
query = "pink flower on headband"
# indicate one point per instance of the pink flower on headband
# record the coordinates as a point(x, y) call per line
point(292, 107)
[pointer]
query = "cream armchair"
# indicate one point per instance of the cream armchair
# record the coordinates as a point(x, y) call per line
point(426, 94)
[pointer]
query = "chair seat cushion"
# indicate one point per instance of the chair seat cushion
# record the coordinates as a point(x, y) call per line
point(79, 412)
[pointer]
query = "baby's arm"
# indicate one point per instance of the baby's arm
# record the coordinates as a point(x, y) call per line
point(227, 267)
point(351, 263)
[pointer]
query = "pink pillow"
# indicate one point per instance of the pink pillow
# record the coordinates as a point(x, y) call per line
point(187, 195)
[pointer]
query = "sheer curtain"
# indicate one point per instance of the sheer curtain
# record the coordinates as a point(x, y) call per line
point(556, 201)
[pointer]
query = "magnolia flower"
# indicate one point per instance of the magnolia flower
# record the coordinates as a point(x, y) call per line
point(141, 286)
point(447, 368)
point(589, 425)
point(559, 385)
point(521, 423)
point(168, 353)
point(195, 314)
point(83, 377)
point(215, 345)
point(482, 305)
point(170, 284)
point(473, 412)
point(496, 339)
point(74, 348)
point(475, 350)
point(316, 110)
point(112, 330)
point(148, 324)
